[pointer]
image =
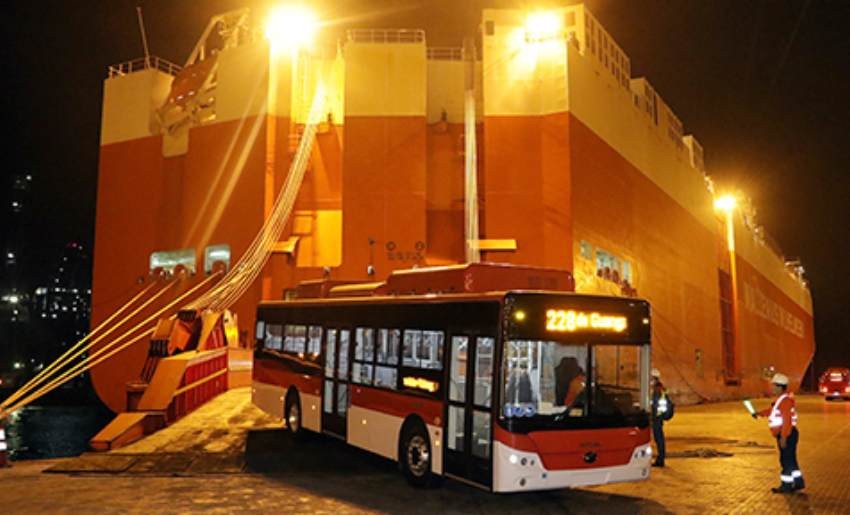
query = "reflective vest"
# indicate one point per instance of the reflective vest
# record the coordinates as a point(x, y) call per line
point(774, 420)
point(3, 457)
point(662, 405)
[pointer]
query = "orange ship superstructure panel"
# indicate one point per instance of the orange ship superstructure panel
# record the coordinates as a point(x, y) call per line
point(384, 157)
point(527, 162)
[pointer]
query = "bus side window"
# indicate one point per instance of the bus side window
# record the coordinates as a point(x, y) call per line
point(274, 337)
point(295, 339)
point(431, 350)
point(387, 354)
point(483, 371)
point(260, 334)
point(423, 349)
point(388, 340)
point(412, 341)
point(314, 342)
point(364, 353)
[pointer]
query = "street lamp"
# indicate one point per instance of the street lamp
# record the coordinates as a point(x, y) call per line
point(727, 205)
point(289, 29)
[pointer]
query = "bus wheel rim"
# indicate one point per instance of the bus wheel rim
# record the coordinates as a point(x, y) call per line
point(293, 418)
point(417, 456)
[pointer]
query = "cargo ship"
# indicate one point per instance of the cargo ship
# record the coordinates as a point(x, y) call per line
point(530, 143)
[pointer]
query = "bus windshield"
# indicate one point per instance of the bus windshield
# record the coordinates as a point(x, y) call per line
point(558, 380)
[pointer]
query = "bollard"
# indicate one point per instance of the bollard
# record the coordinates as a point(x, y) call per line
point(4, 459)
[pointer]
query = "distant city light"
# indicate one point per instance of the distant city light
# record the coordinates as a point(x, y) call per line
point(13, 299)
point(17, 365)
point(10, 255)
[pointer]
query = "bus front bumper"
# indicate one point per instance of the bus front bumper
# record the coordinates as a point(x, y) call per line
point(519, 471)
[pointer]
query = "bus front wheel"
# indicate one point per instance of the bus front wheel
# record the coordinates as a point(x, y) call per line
point(415, 456)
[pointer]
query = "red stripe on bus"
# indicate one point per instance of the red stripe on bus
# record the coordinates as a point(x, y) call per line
point(397, 404)
point(277, 374)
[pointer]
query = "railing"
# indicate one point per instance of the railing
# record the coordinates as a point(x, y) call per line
point(143, 63)
point(442, 53)
point(202, 380)
point(385, 35)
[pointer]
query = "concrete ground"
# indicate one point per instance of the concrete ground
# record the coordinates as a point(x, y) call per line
point(720, 461)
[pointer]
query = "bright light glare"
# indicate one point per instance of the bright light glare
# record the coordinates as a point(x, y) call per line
point(725, 203)
point(543, 25)
point(291, 27)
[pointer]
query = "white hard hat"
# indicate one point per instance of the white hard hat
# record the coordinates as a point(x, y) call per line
point(656, 373)
point(780, 379)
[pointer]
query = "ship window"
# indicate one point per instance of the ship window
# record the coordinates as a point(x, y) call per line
point(613, 268)
point(627, 272)
point(586, 250)
point(215, 253)
point(168, 260)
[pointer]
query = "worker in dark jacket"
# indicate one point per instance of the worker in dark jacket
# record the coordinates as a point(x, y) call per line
point(660, 405)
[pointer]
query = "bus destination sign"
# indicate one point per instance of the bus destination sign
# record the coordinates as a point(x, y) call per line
point(572, 321)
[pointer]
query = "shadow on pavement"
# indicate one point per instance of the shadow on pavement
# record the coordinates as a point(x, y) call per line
point(798, 504)
point(330, 468)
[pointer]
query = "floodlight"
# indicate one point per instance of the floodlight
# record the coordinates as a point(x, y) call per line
point(725, 203)
point(543, 26)
point(291, 27)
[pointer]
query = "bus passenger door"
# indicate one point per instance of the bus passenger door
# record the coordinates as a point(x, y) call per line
point(468, 416)
point(335, 391)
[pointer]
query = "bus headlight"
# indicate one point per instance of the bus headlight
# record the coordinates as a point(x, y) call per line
point(646, 452)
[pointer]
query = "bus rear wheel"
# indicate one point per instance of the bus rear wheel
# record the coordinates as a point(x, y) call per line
point(415, 457)
point(292, 415)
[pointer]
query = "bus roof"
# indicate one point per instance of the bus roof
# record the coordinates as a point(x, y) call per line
point(455, 279)
point(494, 296)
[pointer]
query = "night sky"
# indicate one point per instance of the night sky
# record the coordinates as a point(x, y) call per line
point(764, 85)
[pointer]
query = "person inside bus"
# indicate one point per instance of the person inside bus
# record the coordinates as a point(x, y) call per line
point(569, 382)
point(520, 389)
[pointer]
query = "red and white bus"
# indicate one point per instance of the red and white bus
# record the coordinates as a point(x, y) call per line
point(506, 390)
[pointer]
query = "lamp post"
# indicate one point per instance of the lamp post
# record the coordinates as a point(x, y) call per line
point(288, 29)
point(727, 205)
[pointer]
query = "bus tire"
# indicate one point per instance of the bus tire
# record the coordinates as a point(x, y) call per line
point(292, 414)
point(415, 456)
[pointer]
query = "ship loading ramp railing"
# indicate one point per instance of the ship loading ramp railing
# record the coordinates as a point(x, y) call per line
point(85, 354)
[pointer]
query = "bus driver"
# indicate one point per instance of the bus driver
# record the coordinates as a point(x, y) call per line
point(569, 381)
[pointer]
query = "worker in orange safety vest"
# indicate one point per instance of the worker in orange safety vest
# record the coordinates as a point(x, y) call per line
point(4, 458)
point(782, 421)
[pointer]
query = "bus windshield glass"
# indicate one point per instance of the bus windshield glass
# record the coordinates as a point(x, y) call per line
point(558, 380)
